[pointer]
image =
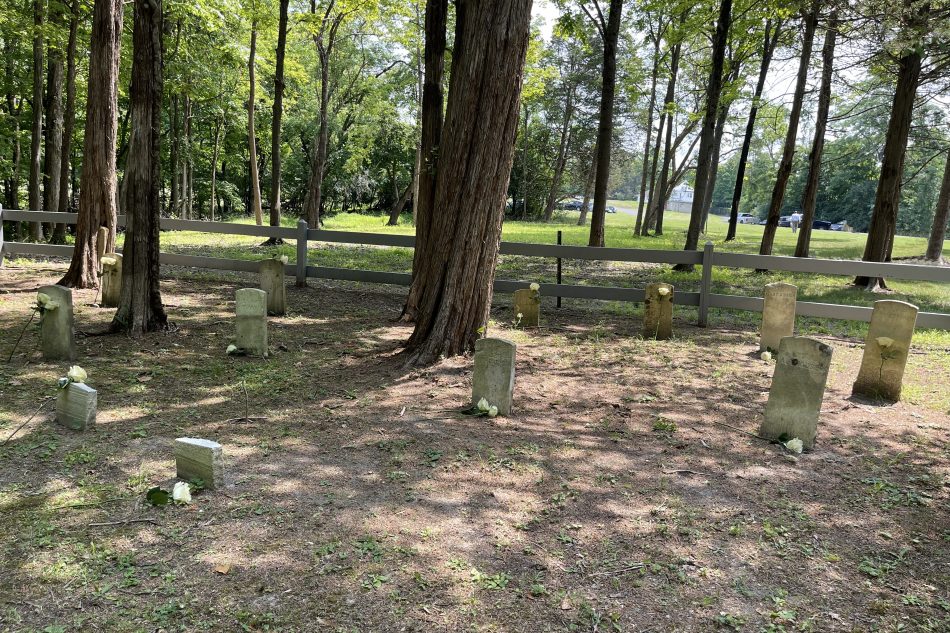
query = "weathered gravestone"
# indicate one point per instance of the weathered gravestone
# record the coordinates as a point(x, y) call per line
point(56, 323)
point(493, 377)
point(199, 459)
point(527, 307)
point(778, 315)
point(111, 279)
point(658, 311)
point(798, 387)
point(76, 406)
point(251, 313)
point(272, 282)
point(885, 350)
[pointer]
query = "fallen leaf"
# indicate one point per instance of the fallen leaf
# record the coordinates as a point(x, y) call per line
point(566, 605)
point(222, 568)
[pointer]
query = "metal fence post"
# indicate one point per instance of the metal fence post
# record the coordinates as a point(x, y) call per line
point(705, 285)
point(302, 229)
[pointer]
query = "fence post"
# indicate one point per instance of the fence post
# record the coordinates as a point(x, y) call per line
point(302, 229)
point(705, 285)
point(1, 236)
point(559, 270)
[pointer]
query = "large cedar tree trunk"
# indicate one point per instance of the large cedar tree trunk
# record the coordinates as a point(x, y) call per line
point(460, 250)
point(810, 196)
point(707, 136)
point(251, 136)
point(434, 62)
point(768, 48)
point(791, 137)
point(278, 111)
point(605, 131)
point(939, 229)
point(140, 303)
point(36, 130)
point(97, 186)
point(887, 198)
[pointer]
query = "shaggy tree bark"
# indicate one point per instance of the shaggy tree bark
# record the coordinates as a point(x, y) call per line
point(434, 61)
point(887, 198)
point(97, 195)
point(768, 48)
point(140, 302)
point(251, 136)
point(939, 229)
point(610, 33)
point(36, 130)
point(275, 160)
point(69, 122)
point(810, 196)
point(707, 135)
point(791, 138)
point(460, 248)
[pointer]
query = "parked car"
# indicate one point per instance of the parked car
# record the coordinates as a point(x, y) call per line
point(821, 225)
point(611, 210)
point(841, 225)
point(572, 205)
point(746, 218)
point(785, 220)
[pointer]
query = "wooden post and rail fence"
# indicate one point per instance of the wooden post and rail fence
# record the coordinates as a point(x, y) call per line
point(706, 259)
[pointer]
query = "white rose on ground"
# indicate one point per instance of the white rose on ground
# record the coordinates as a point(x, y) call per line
point(77, 374)
point(766, 356)
point(795, 446)
point(231, 349)
point(885, 341)
point(535, 286)
point(181, 493)
point(483, 405)
point(492, 411)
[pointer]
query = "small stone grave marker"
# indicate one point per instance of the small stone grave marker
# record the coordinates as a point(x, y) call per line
point(798, 388)
point(778, 315)
point(658, 311)
point(111, 279)
point(76, 406)
point(199, 459)
point(527, 307)
point(493, 377)
point(56, 325)
point(886, 349)
point(272, 282)
point(251, 313)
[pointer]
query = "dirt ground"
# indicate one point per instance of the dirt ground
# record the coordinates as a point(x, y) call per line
point(616, 497)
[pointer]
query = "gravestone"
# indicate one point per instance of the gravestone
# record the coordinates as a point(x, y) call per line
point(528, 305)
point(56, 325)
point(493, 377)
point(272, 282)
point(76, 406)
point(199, 459)
point(658, 311)
point(111, 279)
point(886, 349)
point(778, 315)
point(102, 237)
point(798, 388)
point(251, 312)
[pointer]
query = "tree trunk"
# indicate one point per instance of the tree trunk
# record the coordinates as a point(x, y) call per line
point(649, 131)
point(251, 137)
point(140, 302)
point(36, 130)
point(97, 195)
point(53, 155)
point(174, 206)
point(434, 61)
point(400, 204)
point(588, 189)
point(187, 193)
point(887, 198)
point(788, 153)
point(69, 121)
point(707, 136)
point(611, 33)
point(214, 166)
point(941, 214)
point(278, 112)
point(768, 48)
point(655, 220)
point(666, 120)
point(810, 197)
point(561, 159)
point(460, 251)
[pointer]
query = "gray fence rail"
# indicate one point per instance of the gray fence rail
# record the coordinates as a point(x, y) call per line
point(707, 259)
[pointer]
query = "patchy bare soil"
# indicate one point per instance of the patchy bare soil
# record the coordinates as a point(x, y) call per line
point(615, 498)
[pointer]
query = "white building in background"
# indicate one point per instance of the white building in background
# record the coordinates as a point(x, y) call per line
point(682, 193)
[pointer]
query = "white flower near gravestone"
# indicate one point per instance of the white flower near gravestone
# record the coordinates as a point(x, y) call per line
point(663, 291)
point(181, 493)
point(231, 349)
point(109, 261)
point(483, 405)
point(535, 286)
point(77, 374)
point(284, 259)
point(885, 341)
point(795, 446)
point(44, 303)
point(766, 356)
point(492, 411)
